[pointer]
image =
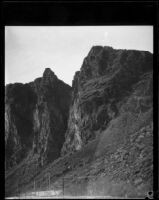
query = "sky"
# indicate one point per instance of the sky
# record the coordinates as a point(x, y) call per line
point(31, 49)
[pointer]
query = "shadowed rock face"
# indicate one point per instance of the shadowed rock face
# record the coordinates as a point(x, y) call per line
point(36, 118)
point(107, 80)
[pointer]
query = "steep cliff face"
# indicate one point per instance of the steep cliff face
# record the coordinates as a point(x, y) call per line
point(20, 101)
point(36, 119)
point(50, 116)
point(110, 82)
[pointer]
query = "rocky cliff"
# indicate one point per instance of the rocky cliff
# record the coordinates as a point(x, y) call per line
point(110, 82)
point(35, 119)
point(102, 127)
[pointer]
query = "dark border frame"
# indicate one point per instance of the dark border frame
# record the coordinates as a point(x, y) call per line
point(57, 13)
point(85, 13)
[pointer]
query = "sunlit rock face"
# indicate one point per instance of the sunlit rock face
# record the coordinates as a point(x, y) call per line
point(36, 118)
point(107, 80)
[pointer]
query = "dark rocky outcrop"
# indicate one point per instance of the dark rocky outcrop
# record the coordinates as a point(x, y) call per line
point(36, 119)
point(20, 102)
point(108, 80)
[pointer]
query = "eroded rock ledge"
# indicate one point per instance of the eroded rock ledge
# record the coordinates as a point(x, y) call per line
point(108, 80)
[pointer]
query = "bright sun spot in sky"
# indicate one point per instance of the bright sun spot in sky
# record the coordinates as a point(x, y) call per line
point(29, 50)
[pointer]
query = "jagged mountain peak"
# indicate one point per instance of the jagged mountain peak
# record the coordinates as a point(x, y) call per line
point(49, 76)
point(95, 50)
point(48, 71)
point(101, 47)
point(106, 60)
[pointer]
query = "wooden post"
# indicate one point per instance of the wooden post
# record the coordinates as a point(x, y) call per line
point(63, 187)
point(17, 190)
point(34, 185)
point(49, 181)
point(37, 188)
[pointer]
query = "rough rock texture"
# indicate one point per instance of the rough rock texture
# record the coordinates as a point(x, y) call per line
point(109, 135)
point(20, 101)
point(107, 80)
point(36, 119)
